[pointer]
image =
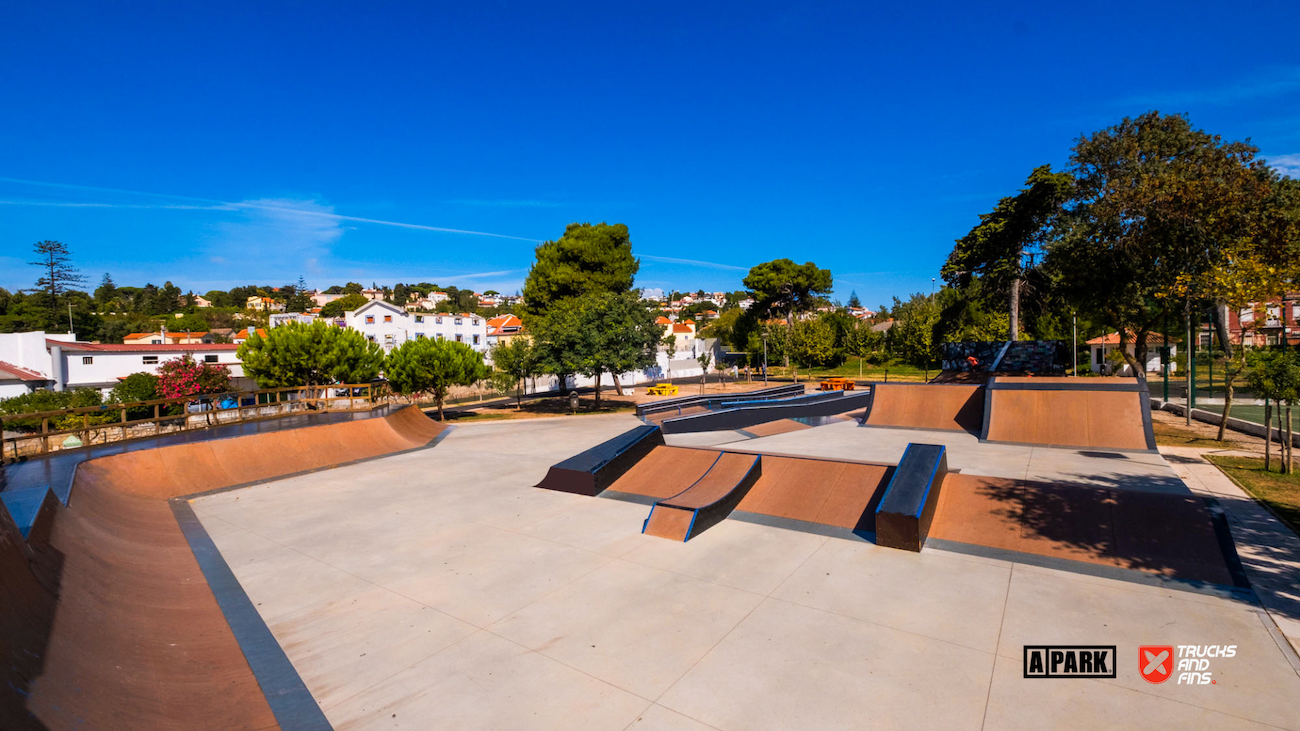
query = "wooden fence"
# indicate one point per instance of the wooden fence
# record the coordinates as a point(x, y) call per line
point(88, 426)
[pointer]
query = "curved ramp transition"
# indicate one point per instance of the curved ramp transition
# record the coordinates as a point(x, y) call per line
point(709, 500)
point(113, 618)
point(942, 406)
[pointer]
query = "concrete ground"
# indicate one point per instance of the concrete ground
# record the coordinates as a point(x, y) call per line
point(438, 589)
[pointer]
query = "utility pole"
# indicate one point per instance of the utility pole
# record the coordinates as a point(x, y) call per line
point(1074, 364)
point(764, 357)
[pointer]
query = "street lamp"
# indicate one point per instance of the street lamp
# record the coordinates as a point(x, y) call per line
point(764, 357)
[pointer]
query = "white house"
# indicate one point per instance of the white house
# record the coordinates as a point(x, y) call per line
point(321, 299)
point(62, 362)
point(1102, 347)
point(284, 318)
point(390, 325)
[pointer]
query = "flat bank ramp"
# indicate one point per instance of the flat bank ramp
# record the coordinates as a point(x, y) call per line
point(1089, 413)
point(942, 406)
point(1175, 536)
point(118, 614)
point(744, 414)
point(819, 491)
point(709, 500)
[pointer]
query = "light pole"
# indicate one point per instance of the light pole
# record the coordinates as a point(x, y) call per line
point(764, 357)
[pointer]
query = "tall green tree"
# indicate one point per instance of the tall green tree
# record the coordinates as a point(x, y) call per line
point(106, 293)
point(1156, 200)
point(346, 303)
point(1001, 249)
point(813, 342)
point(597, 334)
point(587, 259)
point(783, 288)
point(57, 275)
point(428, 365)
point(297, 298)
point(316, 354)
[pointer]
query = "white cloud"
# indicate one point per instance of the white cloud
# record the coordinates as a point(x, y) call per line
point(693, 262)
point(273, 237)
point(1288, 165)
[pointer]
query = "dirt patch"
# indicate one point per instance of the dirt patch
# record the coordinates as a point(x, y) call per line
point(1170, 431)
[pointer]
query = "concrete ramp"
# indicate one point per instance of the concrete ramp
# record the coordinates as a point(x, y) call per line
point(141, 640)
point(940, 406)
point(709, 500)
point(1085, 413)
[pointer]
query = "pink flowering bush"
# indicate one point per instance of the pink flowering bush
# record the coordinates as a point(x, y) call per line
point(185, 376)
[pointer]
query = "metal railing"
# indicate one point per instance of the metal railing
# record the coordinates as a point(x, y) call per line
point(109, 423)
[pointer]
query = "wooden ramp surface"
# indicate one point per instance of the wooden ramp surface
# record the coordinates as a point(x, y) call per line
point(948, 407)
point(1170, 535)
point(708, 500)
point(1068, 418)
point(136, 638)
point(839, 494)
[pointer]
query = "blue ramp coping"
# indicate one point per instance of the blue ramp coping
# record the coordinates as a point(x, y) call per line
point(592, 471)
point(716, 404)
point(907, 508)
point(739, 417)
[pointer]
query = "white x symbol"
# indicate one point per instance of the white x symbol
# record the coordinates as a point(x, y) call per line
point(1155, 662)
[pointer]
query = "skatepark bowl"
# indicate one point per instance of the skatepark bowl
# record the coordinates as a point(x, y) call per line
point(600, 572)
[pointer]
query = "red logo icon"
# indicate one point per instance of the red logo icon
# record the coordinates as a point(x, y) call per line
point(1156, 662)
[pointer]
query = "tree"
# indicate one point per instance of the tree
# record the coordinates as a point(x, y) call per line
point(1155, 203)
point(913, 333)
point(184, 376)
point(136, 387)
point(316, 354)
point(428, 365)
point(106, 293)
point(813, 342)
point(853, 299)
point(995, 250)
point(1275, 376)
point(353, 288)
point(296, 297)
point(343, 304)
point(587, 259)
point(57, 276)
point(670, 346)
point(781, 287)
point(516, 361)
point(704, 359)
point(401, 295)
point(599, 333)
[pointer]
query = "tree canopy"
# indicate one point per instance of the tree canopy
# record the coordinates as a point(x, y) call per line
point(599, 333)
point(297, 354)
point(432, 366)
point(587, 259)
point(346, 303)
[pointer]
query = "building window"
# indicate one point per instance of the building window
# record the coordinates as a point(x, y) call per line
point(474, 322)
point(388, 318)
point(209, 359)
point(437, 320)
point(419, 336)
point(370, 319)
point(371, 338)
point(155, 342)
point(440, 336)
point(460, 338)
point(419, 318)
point(476, 340)
point(87, 360)
point(151, 360)
point(459, 321)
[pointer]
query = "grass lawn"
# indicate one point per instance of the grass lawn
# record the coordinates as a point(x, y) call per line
point(542, 407)
point(1173, 435)
point(1277, 491)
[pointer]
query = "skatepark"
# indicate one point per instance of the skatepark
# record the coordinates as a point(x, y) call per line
point(778, 559)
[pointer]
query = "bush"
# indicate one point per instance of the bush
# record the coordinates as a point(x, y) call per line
point(184, 376)
point(53, 401)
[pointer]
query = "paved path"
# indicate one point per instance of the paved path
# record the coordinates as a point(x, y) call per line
point(438, 589)
point(1269, 550)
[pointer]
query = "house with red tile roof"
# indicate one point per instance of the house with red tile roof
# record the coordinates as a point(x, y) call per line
point(1102, 347)
point(503, 329)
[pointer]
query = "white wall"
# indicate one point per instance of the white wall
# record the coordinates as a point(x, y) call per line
point(106, 368)
point(404, 326)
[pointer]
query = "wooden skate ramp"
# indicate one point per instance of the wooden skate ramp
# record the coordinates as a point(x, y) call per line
point(1170, 535)
point(1088, 413)
point(827, 492)
point(665, 472)
point(114, 620)
point(709, 500)
point(947, 407)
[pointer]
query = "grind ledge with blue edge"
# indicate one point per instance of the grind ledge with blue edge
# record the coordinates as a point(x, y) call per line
point(906, 511)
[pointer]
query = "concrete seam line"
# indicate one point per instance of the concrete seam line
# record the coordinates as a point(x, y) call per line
point(292, 704)
point(1283, 642)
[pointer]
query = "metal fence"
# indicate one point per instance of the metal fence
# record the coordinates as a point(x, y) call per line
point(42, 432)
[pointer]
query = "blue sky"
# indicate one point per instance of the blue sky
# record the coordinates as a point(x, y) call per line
point(222, 144)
